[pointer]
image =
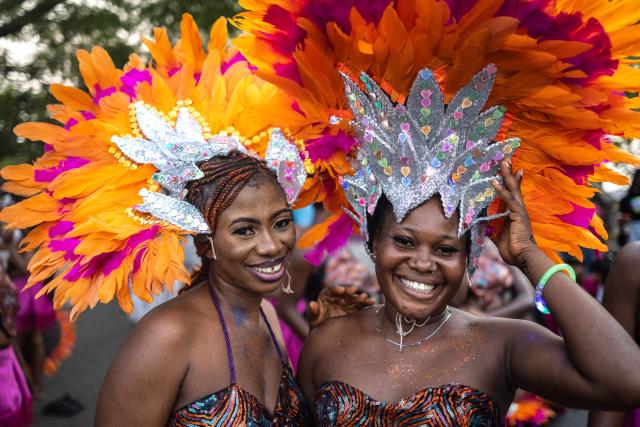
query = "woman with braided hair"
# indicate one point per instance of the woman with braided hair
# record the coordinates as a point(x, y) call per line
point(174, 359)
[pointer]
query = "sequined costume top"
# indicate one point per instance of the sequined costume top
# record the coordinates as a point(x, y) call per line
point(234, 406)
point(337, 403)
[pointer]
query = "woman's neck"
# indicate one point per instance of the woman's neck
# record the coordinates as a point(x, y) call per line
point(391, 316)
point(239, 306)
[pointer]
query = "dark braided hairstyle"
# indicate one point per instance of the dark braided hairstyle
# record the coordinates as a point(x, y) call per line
point(224, 178)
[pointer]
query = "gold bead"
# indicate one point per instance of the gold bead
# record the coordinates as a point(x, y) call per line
point(134, 166)
point(187, 102)
point(117, 154)
point(180, 103)
point(111, 149)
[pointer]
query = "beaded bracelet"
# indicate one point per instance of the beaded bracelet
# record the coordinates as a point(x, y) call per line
point(541, 305)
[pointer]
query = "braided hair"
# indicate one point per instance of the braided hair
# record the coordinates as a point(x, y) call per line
point(224, 178)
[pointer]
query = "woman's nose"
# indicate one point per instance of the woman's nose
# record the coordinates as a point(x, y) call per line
point(423, 262)
point(269, 244)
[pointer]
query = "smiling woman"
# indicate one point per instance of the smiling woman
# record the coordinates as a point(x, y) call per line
point(247, 257)
point(414, 360)
point(253, 225)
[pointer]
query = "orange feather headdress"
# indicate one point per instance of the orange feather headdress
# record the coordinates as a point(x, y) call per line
point(82, 193)
point(564, 67)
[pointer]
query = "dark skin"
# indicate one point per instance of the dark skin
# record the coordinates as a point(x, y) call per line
point(622, 300)
point(176, 353)
point(595, 365)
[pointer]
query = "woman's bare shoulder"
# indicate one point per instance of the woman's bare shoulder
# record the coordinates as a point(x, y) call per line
point(174, 321)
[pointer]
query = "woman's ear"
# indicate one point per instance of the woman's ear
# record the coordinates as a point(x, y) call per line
point(374, 244)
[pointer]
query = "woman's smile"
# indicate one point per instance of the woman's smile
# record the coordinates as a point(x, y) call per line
point(420, 290)
point(269, 271)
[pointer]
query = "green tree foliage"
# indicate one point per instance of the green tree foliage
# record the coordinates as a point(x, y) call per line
point(39, 38)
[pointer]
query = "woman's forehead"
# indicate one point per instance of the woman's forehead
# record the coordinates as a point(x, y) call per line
point(258, 198)
point(429, 214)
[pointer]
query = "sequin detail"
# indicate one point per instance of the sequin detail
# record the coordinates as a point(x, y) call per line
point(234, 406)
point(412, 152)
point(337, 403)
point(175, 149)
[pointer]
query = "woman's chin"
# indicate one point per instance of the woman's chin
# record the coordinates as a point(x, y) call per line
point(416, 305)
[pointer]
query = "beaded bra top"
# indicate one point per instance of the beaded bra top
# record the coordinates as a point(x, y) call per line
point(234, 406)
point(338, 403)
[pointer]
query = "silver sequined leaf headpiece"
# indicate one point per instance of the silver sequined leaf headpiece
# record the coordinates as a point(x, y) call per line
point(414, 151)
point(176, 150)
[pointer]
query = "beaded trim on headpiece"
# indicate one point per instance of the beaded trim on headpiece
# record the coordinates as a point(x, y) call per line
point(175, 150)
point(412, 152)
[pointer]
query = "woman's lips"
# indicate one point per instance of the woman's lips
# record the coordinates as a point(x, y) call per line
point(269, 271)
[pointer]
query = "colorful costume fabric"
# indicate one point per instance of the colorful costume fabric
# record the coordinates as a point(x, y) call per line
point(34, 313)
point(15, 398)
point(234, 406)
point(337, 403)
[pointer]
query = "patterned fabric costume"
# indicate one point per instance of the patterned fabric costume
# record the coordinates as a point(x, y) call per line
point(233, 406)
point(337, 403)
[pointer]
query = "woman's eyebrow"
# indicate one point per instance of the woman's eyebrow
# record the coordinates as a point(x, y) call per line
point(280, 212)
point(245, 219)
point(257, 221)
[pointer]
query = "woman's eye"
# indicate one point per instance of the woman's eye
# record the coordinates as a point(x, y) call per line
point(243, 231)
point(283, 223)
point(447, 250)
point(403, 241)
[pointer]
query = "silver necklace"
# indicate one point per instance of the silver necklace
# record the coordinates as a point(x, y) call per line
point(402, 333)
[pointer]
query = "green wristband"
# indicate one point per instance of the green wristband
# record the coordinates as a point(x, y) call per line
point(541, 305)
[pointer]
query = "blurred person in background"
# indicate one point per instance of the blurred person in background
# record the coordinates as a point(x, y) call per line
point(496, 289)
point(622, 299)
point(630, 211)
point(35, 315)
point(15, 398)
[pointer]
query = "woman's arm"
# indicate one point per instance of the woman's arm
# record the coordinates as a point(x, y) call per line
point(597, 364)
point(622, 300)
point(142, 384)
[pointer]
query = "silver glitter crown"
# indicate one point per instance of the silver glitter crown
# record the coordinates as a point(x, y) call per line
point(412, 152)
point(176, 151)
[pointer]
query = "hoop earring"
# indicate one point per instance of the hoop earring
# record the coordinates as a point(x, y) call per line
point(287, 289)
point(213, 250)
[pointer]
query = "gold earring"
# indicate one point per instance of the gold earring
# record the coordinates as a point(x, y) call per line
point(287, 289)
point(212, 248)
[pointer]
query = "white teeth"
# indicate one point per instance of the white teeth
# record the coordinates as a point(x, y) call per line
point(269, 270)
point(417, 286)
